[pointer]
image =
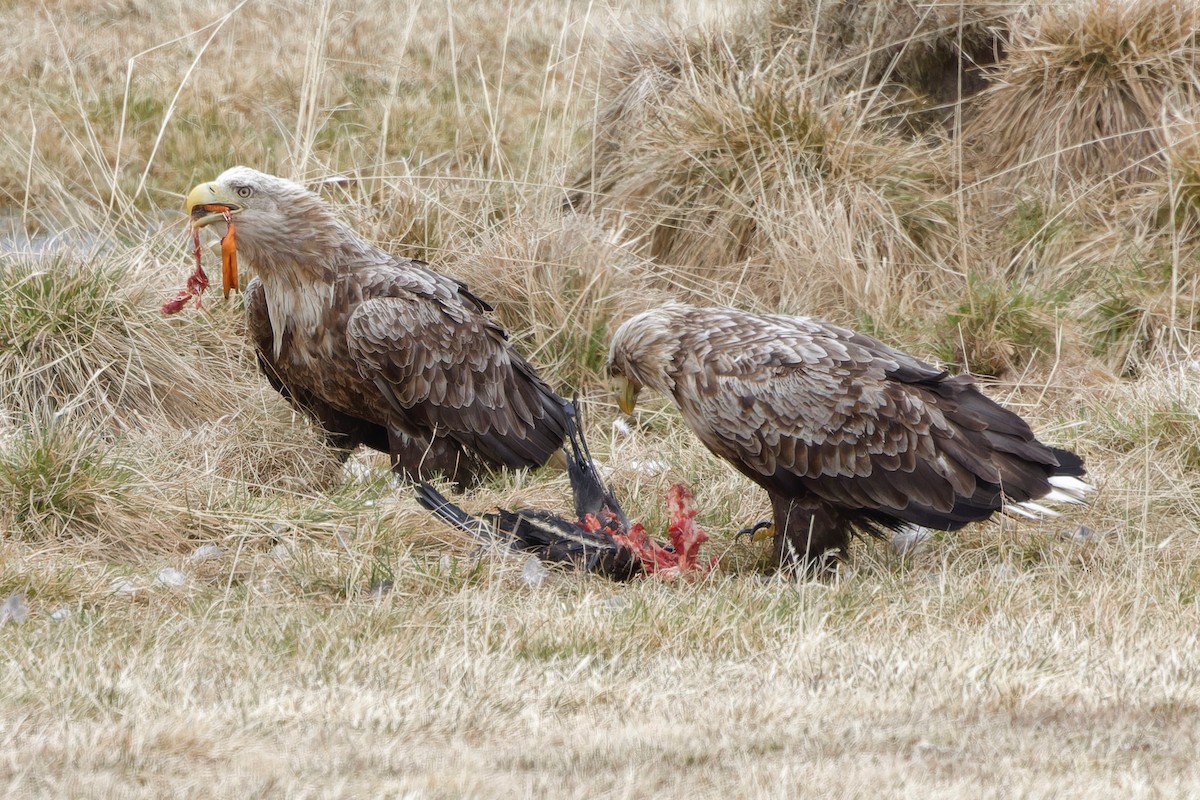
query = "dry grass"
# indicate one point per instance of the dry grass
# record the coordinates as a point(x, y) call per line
point(749, 181)
point(1091, 91)
point(199, 570)
point(951, 679)
point(928, 58)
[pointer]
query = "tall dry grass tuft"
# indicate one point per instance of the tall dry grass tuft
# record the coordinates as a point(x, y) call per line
point(83, 333)
point(61, 481)
point(929, 58)
point(561, 284)
point(999, 325)
point(123, 425)
point(719, 164)
point(1088, 90)
point(1137, 283)
point(1174, 197)
point(132, 434)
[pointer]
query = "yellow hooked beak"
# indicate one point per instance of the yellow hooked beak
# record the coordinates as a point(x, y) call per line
point(627, 394)
point(209, 203)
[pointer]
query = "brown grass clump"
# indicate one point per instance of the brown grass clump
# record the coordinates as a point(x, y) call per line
point(1178, 187)
point(929, 57)
point(121, 422)
point(561, 284)
point(718, 167)
point(999, 325)
point(1140, 264)
point(1088, 90)
point(83, 332)
point(1143, 309)
point(83, 335)
point(60, 481)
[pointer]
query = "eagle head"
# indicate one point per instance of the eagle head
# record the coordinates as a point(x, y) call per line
point(642, 351)
point(280, 224)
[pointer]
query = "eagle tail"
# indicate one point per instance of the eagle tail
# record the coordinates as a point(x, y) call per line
point(592, 495)
point(1066, 487)
point(548, 537)
point(1064, 490)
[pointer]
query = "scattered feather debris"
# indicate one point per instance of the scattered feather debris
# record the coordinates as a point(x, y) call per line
point(1083, 535)
point(206, 552)
point(911, 541)
point(534, 572)
point(124, 587)
point(14, 609)
point(171, 577)
point(359, 470)
point(649, 467)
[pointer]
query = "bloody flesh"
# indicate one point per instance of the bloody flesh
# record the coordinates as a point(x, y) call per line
point(197, 282)
point(229, 275)
point(686, 537)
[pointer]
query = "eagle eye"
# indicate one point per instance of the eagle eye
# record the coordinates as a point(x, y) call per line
point(244, 191)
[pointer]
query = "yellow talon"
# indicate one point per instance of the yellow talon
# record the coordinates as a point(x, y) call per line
point(759, 532)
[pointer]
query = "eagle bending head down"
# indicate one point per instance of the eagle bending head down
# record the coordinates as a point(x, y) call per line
point(841, 430)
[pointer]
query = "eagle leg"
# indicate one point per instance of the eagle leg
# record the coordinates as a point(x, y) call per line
point(421, 459)
point(808, 538)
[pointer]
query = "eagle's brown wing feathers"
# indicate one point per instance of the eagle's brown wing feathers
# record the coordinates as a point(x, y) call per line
point(343, 431)
point(805, 408)
point(778, 427)
point(444, 366)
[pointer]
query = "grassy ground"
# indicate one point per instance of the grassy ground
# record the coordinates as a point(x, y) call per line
point(193, 584)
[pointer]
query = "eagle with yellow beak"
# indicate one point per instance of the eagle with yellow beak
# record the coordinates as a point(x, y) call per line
point(379, 350)
point(843, 432)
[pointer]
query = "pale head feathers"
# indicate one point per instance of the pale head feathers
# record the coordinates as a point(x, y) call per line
point(644, 346)
point(283, 227)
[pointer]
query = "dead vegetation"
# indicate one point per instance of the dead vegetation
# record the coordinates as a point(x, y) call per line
point(1091, 91)
point(1011, 188)
point(929, 59)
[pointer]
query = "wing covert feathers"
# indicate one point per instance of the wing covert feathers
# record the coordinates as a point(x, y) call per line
point(445, 367)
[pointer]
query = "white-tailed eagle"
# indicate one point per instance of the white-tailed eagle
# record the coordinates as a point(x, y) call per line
point(841, 430)
point(380, 350)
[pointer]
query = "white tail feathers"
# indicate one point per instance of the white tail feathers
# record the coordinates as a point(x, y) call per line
point(1075, 490)
point(1066, 489)
point(912, 539)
